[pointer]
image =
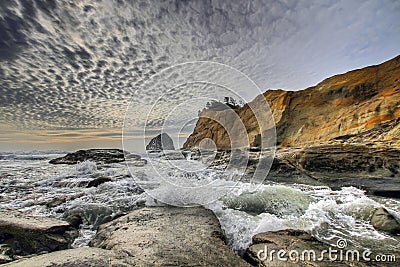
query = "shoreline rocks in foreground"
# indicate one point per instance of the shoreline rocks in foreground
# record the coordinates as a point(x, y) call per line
point(151, 236)
point(25, 234)
point(382, 220)
point(168, 236)
point(160, 236)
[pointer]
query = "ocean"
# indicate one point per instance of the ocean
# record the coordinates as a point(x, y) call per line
point(30, 184)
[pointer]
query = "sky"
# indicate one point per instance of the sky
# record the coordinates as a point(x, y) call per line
point(71, 70)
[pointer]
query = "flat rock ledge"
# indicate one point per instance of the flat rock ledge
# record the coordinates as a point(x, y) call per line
point(151, 236)
point(373, 168)
point(25, 234)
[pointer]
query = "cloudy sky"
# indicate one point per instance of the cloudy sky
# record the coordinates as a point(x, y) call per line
point(68, 69)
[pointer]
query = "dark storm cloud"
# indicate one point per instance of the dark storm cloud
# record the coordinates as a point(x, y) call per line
point(76, 64)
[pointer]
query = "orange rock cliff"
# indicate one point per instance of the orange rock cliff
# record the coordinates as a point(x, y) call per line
point(361, 106)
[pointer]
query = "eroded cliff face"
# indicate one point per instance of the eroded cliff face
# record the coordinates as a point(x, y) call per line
point(360, 106)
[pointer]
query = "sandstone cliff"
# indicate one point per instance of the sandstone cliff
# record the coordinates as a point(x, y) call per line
point(359, 106)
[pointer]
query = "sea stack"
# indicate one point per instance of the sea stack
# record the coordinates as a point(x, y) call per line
point(161, 142)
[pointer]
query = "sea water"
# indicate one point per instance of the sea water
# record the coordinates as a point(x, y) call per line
point(30, 184)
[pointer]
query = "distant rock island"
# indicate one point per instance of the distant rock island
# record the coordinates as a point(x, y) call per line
point(100, 156)
point(96, 155)
point(161, 142)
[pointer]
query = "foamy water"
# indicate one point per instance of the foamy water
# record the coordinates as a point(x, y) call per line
point(30, 184)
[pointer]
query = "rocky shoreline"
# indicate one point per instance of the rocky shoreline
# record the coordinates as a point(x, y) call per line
point(370, 167)
point(170, 236)
point(151, 236)
point(155, 236)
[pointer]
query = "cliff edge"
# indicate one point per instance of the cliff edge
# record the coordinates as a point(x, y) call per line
point(360, 106)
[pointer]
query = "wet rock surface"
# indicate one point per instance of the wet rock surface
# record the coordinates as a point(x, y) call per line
point(384, 221)
point(151, 236)
point(25, 234)
point(100, 156)
point(375, 169)
point(98, 181)
point(168, 236)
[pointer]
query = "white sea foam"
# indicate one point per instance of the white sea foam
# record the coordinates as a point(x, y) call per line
point(243, 210)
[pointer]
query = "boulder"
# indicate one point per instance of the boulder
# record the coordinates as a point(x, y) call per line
point(382, 220)
point(100, 156)
point(161, 142)
point(168, 236)
point(27, 234)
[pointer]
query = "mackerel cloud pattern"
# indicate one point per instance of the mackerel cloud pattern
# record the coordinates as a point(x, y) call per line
point(76, 64)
